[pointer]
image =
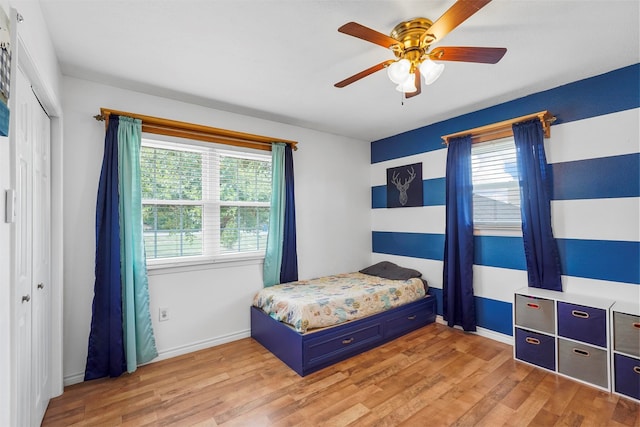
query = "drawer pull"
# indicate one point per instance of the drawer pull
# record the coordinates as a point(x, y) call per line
point(636, 369)
point(349, 341)
point(581, 314)
point(534, 341)
point(636, 325)
point(412, 317)
point(534, 306)
point(581, 352)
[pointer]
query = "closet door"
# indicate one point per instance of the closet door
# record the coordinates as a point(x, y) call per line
point(24, 249)
point(41, 268)
point(33, 270)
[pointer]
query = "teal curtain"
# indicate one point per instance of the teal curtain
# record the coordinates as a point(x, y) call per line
point(273, 255)
point(139, 341)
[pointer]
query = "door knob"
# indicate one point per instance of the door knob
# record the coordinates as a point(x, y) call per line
point(26, 298)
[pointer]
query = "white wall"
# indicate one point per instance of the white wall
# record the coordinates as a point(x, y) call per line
point(207, 305)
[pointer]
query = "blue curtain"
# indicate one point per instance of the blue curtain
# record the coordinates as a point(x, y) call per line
point(289, 268)
point(273, 255)
point(139, 341)
point(281, 260)
point(105, 355)
point(121, 334)
point(540, 247)
point(458, 299)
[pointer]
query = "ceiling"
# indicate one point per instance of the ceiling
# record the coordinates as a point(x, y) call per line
point(279, 59)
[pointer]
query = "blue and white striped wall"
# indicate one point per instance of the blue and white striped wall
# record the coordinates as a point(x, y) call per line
point(594, 155)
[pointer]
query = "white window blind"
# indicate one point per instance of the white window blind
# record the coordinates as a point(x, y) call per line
point(496, 192)
point(202, 203)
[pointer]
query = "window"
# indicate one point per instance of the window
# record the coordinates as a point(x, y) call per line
point(201, 203)
point(496, 191)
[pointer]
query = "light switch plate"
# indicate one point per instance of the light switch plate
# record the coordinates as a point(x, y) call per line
point(10, 206)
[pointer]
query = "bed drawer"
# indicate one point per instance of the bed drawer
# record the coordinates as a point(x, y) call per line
point(582, 323)
point(329, 347)
point(406, 321)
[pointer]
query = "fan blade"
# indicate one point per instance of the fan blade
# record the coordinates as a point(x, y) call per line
point(417, 83)
point(454, 16)
point(364, 73)
point(356, 30)
point(485, 55)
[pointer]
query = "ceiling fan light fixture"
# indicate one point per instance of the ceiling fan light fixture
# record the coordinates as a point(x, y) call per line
point(409, 85)
point(430, 71)
point(410, 41)
point(399, 71)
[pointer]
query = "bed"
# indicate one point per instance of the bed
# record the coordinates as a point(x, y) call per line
point(312, 324)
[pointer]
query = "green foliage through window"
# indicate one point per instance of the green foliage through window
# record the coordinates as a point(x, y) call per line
point(202, 202)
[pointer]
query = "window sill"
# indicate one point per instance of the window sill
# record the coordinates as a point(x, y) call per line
point(169, 267)
point(497, 231)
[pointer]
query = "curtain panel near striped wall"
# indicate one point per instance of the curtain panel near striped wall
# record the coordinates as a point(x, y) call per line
point(540, 248)
point(457, 286)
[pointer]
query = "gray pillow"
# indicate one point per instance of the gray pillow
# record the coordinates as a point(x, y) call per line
point(389, 270)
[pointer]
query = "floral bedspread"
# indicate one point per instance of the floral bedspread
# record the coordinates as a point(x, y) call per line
point(331, 300)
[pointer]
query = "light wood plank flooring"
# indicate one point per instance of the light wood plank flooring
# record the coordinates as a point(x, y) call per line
point(436, 376)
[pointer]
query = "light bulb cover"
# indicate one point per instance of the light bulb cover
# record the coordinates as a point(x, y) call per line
point(399, 70)
point(409, 85)
point(430, 71)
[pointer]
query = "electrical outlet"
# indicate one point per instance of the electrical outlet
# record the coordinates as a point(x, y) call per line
point(163, 313)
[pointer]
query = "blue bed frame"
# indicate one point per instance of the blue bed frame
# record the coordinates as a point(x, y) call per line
point(307, 353)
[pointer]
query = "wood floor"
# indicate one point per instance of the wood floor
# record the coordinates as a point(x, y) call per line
point(435, 376)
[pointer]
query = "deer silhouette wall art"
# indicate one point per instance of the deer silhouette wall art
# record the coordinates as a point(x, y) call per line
point(404, 186)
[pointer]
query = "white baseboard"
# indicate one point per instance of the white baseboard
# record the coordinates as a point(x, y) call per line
point(73, 378)
point(483, 332)
point(175, 351)
point(201, 345)
point(212, 342)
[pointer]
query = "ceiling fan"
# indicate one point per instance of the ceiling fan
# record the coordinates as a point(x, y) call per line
point(411, 40)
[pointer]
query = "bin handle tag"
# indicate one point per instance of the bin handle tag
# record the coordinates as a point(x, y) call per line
point(580, 314)
point(581, 352)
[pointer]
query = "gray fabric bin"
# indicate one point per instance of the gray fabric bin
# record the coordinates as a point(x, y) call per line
point(626, 334)
point(535, 313)
point(583, 362)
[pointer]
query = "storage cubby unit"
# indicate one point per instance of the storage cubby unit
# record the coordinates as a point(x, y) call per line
point(564, 333)
point(625, 346)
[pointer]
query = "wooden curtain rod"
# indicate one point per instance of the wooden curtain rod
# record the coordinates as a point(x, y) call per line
point(159, 126)
point(503, 129)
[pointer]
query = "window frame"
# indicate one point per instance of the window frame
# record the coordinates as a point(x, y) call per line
point(211, 257)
